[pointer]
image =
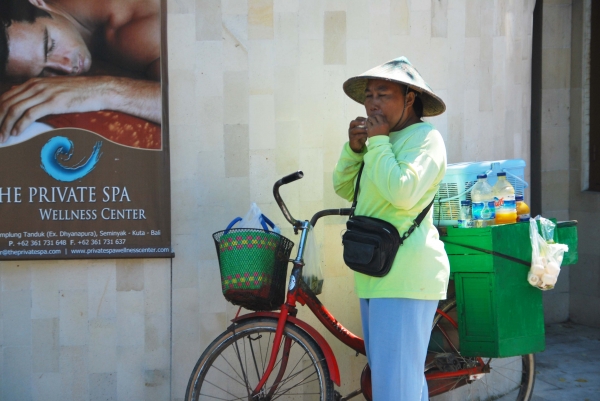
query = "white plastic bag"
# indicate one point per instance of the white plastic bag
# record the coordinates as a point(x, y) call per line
point(255, 219)
point(312, 274)
point(546, 256)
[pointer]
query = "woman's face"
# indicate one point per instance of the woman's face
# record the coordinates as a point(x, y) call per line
point(384, 98)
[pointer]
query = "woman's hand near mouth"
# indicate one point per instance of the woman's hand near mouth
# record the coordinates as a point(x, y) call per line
point(357, 134)
point(377, 124)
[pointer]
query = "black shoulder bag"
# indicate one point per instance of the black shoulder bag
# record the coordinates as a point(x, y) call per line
point(370, 244)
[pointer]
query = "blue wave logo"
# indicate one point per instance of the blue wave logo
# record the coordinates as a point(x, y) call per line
point(60, 149)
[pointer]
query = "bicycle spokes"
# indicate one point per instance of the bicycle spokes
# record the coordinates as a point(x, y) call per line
point(473, 378)
point(242, 361)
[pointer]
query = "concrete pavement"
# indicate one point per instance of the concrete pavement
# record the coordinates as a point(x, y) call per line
point(569, 368)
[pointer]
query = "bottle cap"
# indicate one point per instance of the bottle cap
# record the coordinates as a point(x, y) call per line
point(465, 203)
point(519, 197)
point(481, 176)
point(501, 174)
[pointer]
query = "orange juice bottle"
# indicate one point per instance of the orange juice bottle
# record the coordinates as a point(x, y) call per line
point(504, 199)
point(523, 212)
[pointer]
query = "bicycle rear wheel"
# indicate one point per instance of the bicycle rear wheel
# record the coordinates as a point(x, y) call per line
point(509, 379)
point(233, 364)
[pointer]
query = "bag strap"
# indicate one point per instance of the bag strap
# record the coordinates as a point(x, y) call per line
point(230, 225)
point(362, 165)
point(265, 222)
point(416, 222)
point(264, 219)
point(493, 253)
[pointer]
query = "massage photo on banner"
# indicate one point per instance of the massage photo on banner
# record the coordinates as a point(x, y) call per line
point(83, 132)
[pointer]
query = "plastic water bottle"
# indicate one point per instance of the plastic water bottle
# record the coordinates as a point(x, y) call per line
point(465, 219)
point(504, 198)
point(483, 208)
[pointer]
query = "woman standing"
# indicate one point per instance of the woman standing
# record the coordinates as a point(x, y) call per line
point(404, 163)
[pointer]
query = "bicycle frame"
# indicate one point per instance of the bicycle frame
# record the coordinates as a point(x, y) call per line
point(299, 292)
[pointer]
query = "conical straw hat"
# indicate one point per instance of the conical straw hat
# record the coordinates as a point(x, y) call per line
point(398, 70)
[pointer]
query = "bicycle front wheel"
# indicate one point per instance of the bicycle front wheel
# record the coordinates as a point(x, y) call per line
point(508, 379)
point(233, 364)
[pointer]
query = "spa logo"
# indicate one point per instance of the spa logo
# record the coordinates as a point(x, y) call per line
point(60, 149)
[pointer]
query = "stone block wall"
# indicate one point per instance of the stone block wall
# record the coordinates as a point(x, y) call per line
point(584, 205)
point(565, 155)
point(255, 94)
point(556, 99)
point(85, 330)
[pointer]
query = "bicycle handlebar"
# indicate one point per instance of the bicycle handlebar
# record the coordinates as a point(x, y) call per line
point(288, 216)
point(289, 178)
point(286, 180)
point(329, 212)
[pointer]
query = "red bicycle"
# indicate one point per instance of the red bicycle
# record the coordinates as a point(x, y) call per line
point(264, 356)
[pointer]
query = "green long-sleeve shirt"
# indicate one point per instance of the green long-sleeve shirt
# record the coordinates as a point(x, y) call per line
point(401, 176)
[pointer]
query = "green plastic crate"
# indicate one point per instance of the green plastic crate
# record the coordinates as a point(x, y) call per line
point(499, 313)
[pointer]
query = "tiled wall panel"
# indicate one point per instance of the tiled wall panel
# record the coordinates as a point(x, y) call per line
point(284, 110)
point(556, 77)
point(255, 93)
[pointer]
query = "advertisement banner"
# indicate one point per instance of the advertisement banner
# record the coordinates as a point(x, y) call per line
point(84, 149)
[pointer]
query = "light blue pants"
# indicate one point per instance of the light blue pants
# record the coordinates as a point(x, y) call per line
point(396, 333)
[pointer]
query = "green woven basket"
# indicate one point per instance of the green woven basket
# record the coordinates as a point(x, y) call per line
point(253, 266)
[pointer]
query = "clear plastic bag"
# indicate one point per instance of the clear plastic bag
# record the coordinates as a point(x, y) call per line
point(312, 274)
point(547, 229)
point(546, 256)
point(254, 218)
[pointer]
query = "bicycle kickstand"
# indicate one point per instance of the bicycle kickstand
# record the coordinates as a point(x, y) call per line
point(349, 396)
